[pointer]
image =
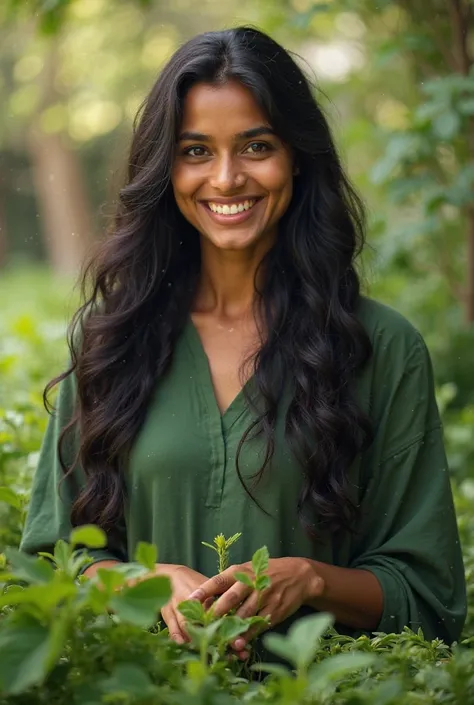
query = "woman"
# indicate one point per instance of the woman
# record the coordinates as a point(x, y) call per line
point(230, 377)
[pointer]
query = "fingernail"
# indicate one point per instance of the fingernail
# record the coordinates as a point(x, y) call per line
point(195, 595)
point(239, 644)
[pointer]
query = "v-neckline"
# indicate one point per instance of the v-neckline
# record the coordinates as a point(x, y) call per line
point(238, 404)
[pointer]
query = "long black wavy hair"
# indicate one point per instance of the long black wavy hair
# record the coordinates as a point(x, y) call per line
point(138, 290)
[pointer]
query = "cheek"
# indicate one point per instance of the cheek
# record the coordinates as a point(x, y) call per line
point(184, 183)
point(276, 177)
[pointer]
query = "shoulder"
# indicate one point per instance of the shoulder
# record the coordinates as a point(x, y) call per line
point(397, 345)
point(386, 327)
point(400, 361)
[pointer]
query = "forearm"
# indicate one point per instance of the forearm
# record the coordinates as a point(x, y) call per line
point(353, 596)
point(91, 571)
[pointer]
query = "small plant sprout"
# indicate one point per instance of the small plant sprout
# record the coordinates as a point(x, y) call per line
point(260, 581)
point(221, 547)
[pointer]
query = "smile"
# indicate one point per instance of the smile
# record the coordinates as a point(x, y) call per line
point(232, 209)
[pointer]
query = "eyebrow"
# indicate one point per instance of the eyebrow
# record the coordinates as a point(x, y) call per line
point(247, 134)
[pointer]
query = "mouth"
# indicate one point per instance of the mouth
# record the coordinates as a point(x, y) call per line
point(234, 212)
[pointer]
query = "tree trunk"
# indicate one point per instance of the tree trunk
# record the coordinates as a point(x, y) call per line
point(3, 231)
point(58, 180)
point(64, 209)
point(461, 23)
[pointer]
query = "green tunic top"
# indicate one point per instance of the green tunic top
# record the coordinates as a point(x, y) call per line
point(183, 487)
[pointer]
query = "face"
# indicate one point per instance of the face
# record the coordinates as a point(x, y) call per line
point(232, 177)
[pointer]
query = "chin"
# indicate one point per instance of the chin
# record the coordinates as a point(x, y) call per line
point(235, 243)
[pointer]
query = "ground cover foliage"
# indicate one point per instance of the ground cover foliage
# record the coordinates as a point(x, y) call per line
point(65, 639)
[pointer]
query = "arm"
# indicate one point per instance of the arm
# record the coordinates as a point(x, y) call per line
point(353, 596)
point(48, 517)
point(407, 536)
point(92, 568)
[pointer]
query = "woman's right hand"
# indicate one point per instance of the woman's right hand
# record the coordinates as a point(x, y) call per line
point(184, 581)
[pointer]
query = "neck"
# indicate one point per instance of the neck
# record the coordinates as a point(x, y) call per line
point(226, 288)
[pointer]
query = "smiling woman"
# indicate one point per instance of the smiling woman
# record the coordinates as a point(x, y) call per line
point(227, 375)
point(222, 177)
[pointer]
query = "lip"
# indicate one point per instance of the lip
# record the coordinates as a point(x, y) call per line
point(234, 219)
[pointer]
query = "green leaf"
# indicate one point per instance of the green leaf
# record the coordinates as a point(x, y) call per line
point(260, 560)
point(466, 107)
point(62, 554)
point(244, 578)
point(305, 636)
point(88, 535)
point(128, 679)
point(44, 596)
point(193, 610)
point(232, 539)
point(208, 545)
point(140, 604)
point(275, 669)
point(262, 582)
point(110, 579)
point(97, 599)
point(196, 671)
point(10, 497)
point(447, 125)
point(146, 554)
point(257, 621)
point(78, 561)
point(280, 646)
point(203, 635)
point(388, 693)
point(57, 638)
point(24, 650)
point(338, 666)
point(29, 568)
point(231, 628)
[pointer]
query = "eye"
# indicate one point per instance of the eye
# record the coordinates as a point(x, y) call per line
point(195, 151)
point(258, 147)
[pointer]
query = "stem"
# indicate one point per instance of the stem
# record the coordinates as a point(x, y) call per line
point(203, 654)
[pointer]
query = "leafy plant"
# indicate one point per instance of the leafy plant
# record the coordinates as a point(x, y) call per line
point(221, 546)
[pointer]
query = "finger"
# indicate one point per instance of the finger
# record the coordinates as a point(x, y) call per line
point(217, 585)
point(181, 622)
point(241, 642)
point(174, 630)
point(231, 599)
point(249, 608)
point(243, 656)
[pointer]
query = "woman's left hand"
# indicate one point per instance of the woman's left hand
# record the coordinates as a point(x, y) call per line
point(293, 583)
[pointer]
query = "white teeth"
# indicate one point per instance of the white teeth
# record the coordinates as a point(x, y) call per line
point(233, 209)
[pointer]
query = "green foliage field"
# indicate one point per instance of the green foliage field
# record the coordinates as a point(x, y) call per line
point(64, 640)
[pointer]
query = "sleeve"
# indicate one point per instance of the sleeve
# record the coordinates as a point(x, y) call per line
point(48, 515)
point(408, 536)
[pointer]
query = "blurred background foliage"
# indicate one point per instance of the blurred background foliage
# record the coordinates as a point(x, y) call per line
point(396, 80)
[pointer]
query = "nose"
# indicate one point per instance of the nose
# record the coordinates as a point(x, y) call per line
point(227, 174)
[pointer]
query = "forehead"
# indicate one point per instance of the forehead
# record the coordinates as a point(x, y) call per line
point(229, 108)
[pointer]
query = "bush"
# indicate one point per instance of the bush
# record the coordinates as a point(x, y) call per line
point(89, 641)
point(66, 639)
